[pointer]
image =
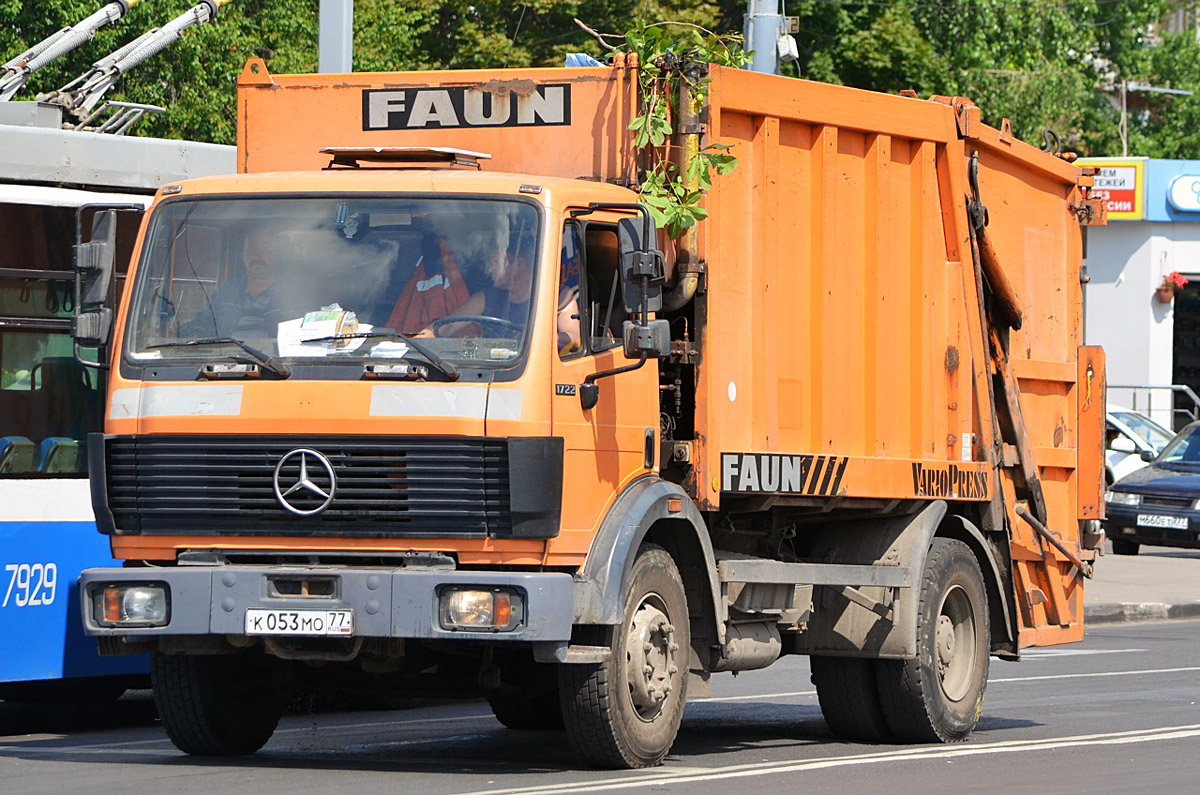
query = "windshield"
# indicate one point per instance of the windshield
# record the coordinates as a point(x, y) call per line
point(1184, 448)
point(1146, 429)
point(327, 280)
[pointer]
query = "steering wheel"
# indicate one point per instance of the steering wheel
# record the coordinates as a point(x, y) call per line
point(483, 320)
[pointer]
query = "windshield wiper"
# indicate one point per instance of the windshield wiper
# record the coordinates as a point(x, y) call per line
point(445, 367)
point(264, 359)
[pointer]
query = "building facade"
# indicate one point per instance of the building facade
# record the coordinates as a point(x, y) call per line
point(1151, 336)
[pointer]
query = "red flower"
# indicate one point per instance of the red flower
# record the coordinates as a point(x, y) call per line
point(1174, 280)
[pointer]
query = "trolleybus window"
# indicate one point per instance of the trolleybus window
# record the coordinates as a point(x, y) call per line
point(48, 401)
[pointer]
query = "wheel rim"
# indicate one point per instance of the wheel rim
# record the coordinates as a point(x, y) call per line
point(954, 644)
point(650, 657)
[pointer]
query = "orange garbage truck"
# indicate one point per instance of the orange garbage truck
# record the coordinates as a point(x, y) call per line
point(421, 400)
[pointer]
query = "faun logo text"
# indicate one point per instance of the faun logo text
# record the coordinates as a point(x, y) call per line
point(466, 106)
point(949, 481)
point(782, 474)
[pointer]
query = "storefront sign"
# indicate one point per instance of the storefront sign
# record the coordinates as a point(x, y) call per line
point(1184, 193)
point(1121, 183)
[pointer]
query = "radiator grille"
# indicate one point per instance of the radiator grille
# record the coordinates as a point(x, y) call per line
point(386, 486)
point(1167, 502)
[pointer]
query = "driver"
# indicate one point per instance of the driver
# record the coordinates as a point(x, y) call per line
point(249, 306)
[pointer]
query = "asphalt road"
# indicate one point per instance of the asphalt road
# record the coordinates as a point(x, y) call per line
point(1117, 713)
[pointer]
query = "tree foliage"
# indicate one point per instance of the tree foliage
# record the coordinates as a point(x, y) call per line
point(194, 78)
point(1054, 64)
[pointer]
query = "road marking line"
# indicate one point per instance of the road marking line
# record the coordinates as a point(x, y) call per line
point(1006, 680)
point(325, 728)
point(1051, 652)
point(311, 728)
point(941, 752)
point(707, 700)
point(1099, 674)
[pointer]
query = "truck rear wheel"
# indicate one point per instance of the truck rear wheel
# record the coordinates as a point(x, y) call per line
point(625, 713)
point(215, 705)
point(849, 696)
point(938, 696)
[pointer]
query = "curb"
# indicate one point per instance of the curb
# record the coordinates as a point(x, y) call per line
point(1116, 613)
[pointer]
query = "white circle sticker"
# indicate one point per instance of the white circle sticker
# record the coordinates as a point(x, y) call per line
point(732, 391)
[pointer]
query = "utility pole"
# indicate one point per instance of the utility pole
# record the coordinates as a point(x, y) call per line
point(335, 42)
point(1126, 87)
point(764, 26)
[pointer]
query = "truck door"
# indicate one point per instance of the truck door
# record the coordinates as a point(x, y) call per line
point(606, 446)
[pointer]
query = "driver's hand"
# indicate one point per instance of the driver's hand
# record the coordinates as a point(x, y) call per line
point(425, 332)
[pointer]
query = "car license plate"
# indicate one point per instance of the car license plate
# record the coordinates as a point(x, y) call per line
point(299, 622)
point(1155, 520)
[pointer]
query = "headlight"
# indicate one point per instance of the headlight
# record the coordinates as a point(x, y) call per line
point(494, 609)
point(1122, 498)
point(141, 605)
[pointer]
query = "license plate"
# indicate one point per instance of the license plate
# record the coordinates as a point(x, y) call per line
point(299, 622)
point(1155, 520)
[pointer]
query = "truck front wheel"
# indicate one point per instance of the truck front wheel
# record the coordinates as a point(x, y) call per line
point(625, 712)
point(938, 696)
point(215, 705)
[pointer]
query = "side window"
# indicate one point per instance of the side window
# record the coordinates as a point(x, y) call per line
point(605, 311)
point(590, 306)
point(570, 342)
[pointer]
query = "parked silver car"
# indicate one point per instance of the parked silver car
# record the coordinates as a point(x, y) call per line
point(1133, 440)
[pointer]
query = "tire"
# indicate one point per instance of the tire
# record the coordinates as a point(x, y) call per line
point(849, 696)
point(618, 714)
point(1122, 547)
point(938, 696)
point(215, 705)
point(526, 711)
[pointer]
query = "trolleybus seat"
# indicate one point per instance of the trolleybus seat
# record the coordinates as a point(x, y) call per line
point(14, 411)
point(64, 402)
point(59, 455)
point(17, 455)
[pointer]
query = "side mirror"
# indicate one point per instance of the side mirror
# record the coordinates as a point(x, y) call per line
point(653, 339)
point(1148, 456)
point(90, 329)
point(95, 260)
point(642, 269)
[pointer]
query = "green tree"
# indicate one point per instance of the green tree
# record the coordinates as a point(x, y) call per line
point(1041, 63)
point(194, 79)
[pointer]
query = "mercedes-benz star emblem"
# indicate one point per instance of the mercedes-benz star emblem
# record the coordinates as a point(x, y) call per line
point(305, 492)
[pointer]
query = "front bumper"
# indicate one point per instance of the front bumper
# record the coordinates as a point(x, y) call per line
point(386, 603)
point(1130, 523)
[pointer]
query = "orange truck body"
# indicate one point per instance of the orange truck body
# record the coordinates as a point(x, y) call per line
point(854, 351)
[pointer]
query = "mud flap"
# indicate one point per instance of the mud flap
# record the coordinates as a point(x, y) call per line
point(841, 624)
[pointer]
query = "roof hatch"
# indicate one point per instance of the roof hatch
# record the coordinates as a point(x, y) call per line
point(403, 157)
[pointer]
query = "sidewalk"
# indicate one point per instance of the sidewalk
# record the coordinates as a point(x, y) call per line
point(1158, 583)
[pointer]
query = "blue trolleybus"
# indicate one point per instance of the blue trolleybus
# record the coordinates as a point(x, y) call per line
point(49, 402)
